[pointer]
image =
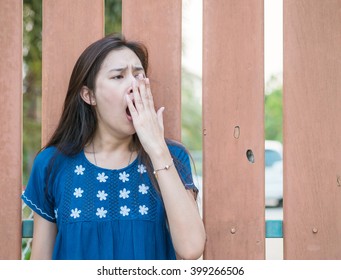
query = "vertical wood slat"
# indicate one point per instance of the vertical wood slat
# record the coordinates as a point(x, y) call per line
point(68, 28)
point(10, 128)
point(233, 122)
point(312, 136)
point(157, 24)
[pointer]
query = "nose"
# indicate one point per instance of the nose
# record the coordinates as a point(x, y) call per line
point(130, 91)
point(130, 83)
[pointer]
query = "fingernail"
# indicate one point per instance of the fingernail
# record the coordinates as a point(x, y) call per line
point(140, 76)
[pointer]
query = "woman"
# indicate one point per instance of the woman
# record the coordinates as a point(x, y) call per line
point(108, 185)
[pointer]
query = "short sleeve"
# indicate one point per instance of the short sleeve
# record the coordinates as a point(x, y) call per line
point(37, 194)
point(182, 162)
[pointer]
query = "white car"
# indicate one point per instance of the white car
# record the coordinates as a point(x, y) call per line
point(273, 173)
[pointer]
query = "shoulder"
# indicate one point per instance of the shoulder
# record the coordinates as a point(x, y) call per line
point(175, 146)
point(177, 149)
point(45, 155)
point(47, 152)
point(48, 157)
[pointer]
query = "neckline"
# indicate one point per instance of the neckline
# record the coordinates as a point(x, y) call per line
point(88, 162)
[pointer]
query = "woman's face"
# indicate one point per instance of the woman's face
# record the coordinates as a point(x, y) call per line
point(113, 82)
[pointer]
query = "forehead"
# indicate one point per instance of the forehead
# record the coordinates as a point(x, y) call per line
point(121, 58)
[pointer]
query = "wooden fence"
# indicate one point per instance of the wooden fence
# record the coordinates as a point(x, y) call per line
point(233, 112)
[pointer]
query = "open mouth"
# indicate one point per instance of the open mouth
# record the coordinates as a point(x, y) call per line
point(128, 111)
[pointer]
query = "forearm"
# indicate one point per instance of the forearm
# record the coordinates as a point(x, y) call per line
point(186, 226)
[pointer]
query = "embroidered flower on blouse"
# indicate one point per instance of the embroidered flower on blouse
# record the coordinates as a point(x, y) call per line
point(56, 213)
point(79, 170)
point(124, 176)
point(75, 213)
point(143, 189)
point(101, 212)
point(78, 192)
point(102, 195)
point(102, 178)
point(143, 209)
point(124, 193)
point(141, 169)
point(124, 210)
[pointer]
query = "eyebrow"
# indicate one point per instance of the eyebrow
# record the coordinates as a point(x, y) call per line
point(120, 69)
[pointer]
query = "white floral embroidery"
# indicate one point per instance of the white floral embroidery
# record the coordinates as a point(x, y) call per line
point(124, 193)
point(101, 212)
point(79, 170)
point(102, 195)
point(75, 213)
point(141, 169)
point(143, 189)
point(78, 192)
point(56, 213)
point(102, 178)
point(124, 210)
point(143, 209)
point(124, 176)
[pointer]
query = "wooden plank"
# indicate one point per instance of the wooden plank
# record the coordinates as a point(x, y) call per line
point(157, 24)
point(10, 128)
point(233, 123)
point(68, 28)
point(312, 137)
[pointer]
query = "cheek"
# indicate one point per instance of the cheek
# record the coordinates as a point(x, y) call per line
point(106, 93)
point(110, 103)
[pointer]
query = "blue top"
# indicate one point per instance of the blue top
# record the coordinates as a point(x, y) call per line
point(102, 213)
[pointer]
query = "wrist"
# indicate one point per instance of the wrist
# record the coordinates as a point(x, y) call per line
point(158, 151)
point(164, 168)
point(160, 158)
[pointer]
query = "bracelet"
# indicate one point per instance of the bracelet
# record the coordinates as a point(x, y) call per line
point(166, 167)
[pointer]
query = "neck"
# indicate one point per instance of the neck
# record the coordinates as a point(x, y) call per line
point(110, 154)
point(108, 144)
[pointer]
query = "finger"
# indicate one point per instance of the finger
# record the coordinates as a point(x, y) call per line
point(131, 107)
point(149, 93)
point(160, 116)
point(143, 90)
point(137, 96)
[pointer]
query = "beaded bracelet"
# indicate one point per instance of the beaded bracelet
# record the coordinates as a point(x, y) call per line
point(164, 168)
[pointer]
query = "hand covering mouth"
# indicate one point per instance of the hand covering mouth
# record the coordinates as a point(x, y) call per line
point(128, 111)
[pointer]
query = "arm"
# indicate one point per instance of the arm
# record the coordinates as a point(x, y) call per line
point(44, 235)
point(186, 226)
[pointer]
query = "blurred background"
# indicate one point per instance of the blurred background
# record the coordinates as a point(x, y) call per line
point(191, 97)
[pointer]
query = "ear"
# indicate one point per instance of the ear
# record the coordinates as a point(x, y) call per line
point(88, 96)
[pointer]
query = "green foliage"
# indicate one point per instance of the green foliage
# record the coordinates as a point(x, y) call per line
point(113, 16)
point(191, 113)
point(273, 113)
point(32, 45)
point(191, 116)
